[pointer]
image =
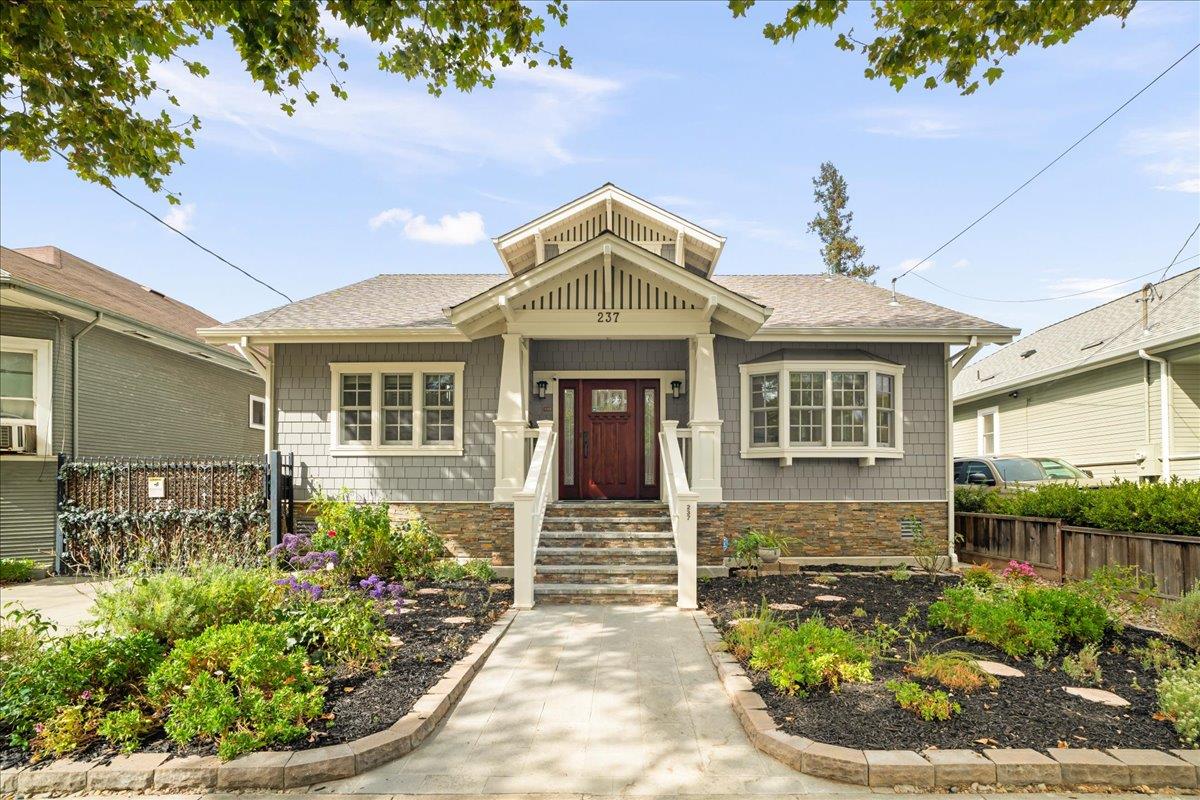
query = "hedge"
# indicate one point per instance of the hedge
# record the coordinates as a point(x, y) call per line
point(1167, 508)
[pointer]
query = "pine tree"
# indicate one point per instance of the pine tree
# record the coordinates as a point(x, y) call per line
point(840, 250)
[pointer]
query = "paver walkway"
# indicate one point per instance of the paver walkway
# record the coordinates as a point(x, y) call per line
point(598, 700)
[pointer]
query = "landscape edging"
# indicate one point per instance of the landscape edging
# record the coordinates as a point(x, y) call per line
point(1115, 767)
point(267, 769)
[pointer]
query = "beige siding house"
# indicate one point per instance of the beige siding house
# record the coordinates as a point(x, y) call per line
point(611, 387)
point(97, 365)
point(1090, 389)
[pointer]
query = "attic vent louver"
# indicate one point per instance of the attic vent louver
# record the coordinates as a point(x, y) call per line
point(1028, 353)
point(1090, 345)
point(909, 527)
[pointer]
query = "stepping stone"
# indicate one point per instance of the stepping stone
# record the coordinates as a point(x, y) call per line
point(829, 598)
point(457, 620)
point(431, 590)
point(500, 587)
point(785, 607)
point(1096, 695)
point(395, 641)
point(999, 670)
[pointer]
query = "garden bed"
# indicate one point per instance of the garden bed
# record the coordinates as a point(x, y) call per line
point(1029, 711)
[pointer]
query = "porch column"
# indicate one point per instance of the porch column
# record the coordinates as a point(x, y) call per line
point(705, 422)
point(511, 421)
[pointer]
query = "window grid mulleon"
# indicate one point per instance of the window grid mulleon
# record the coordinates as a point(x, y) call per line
point(885, 410)
point(397, 408)
point(764, 410)
point(848, 396)
point(807, 413)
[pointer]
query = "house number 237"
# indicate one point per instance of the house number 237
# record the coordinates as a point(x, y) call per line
point(607, 316)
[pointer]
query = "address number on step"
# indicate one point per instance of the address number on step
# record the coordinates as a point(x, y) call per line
point(607, 316)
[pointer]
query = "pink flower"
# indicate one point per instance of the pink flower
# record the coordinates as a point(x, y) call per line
point(85, 695)
point(1020, 570)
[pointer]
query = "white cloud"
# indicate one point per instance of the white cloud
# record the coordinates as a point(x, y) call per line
point(961, 263)
point(912, 123)
point(1091, 289)
point(465, 227)
point(908, 264)
point(180, 217)
point(398, 125)
point(1171, 154)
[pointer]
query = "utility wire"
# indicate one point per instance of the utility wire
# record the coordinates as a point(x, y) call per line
point(1181, 249)
point(1174, 261)
point(1136, 322)
point(1038, 174)
point(166, 224)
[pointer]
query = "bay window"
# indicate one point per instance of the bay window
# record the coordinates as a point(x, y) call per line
point(397, 408)
point(821, 404)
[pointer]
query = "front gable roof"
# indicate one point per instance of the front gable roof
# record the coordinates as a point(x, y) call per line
point(613, 210)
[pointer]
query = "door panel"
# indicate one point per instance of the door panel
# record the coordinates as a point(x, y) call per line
point(604, 451)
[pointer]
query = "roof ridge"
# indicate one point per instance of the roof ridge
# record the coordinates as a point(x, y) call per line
point(1083, 313)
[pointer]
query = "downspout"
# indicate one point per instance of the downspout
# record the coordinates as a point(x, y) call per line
point(75, 383)
point(1164, 405)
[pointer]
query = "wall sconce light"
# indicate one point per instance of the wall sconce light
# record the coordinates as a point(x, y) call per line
point(676, 389)
point(541, 387)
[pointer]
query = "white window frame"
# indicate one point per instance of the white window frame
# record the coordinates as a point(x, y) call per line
point(786, 451)
point(250, 419)
point(42, 351)
point(376, 369)
point(979, 415)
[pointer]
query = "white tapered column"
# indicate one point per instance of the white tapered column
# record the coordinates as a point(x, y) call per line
point(705, 422)
point(510, 422)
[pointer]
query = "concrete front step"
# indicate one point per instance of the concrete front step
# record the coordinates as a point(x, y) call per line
point(589, 594)
point(622, 524)
point(616, 555)
point(603, 540)
point(607, 574)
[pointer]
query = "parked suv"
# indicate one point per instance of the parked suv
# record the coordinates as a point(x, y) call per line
point(999, 472)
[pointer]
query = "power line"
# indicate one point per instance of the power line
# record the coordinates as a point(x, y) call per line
point(166, 224)
point(1181, 249)
point(1038, 174)
point(1174, 261)
point(1126, 329)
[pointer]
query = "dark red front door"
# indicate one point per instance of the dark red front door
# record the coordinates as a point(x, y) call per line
point(612, 439)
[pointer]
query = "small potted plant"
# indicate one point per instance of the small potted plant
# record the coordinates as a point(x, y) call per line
point(756, 547)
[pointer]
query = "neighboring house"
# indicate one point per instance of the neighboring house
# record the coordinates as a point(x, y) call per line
point(1091, 389)
point(97, 365)
point(814, 405)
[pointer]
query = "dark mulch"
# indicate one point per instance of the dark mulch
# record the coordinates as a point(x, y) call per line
point(424, 648)
point(1032, 711)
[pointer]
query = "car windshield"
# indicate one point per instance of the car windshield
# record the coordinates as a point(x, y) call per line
point(1060, 469)
point(1019, 469)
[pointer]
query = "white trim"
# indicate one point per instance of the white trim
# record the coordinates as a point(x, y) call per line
point(255, 398)
point(376, 369)
point(979, 415)
point(664, 378)
point(42, 351)
point(785, 451)
point(912, 335)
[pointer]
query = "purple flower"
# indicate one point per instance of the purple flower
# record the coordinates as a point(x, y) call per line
point(313, 590)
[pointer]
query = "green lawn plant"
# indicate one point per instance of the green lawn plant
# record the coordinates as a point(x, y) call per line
point(955, 670)
point(811, 655)
point(1084, 666)
point(16, 570)
point(928, 704)
point(1181, 618)
point(1179, 700)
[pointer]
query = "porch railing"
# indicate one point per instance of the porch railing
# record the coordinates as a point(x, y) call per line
point(529, 509)
point(685, 450)
point(681, 503)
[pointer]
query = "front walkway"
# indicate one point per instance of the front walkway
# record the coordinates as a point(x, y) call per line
point(597, 700)
point(67, 602)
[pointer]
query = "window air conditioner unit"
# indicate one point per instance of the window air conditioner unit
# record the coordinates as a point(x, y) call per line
point(18, 436)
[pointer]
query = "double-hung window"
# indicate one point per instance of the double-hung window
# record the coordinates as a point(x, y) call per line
point(817, 405)
point(397, 408)
point(25, 395)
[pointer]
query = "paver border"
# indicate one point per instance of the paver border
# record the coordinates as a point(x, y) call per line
point(1117, 768)
point(268, 769)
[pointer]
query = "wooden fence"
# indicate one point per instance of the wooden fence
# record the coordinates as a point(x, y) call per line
point(1067, 551)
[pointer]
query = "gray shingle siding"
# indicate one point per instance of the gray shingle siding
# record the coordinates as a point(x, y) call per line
point(302, 383)
point(920, 475)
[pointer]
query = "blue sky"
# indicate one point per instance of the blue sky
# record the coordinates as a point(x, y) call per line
point(683, 105)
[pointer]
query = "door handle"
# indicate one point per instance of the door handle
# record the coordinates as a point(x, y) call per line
point(585, 444)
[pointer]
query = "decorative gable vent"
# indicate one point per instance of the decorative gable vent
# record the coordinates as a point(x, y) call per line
point(614, 288)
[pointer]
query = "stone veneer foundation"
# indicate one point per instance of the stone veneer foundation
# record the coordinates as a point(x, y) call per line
point(818, 530)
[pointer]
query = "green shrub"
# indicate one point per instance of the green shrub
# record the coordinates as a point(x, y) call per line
point(179, 605)
point(900, 573)
point(67, 730)
point(811, 655)
point(1157, 655)
point(745, 633)
point(1169, 508)
point(22, 634)
point(446, 571)
point(78, 670)
point(243, 685)
point(344, 630)
point(1179, 700)
point(956, 671)
point(479, 570)
point(362, 533)
point(1122, 591)
point(125, 727)
point(979, 576)
point(1084, 666)
point(419, 548)
point(926, 704)
point(1181, 618)
point(1021, 618)
point(16, 570)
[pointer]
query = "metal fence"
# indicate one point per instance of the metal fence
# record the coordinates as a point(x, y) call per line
point(1068, 551)
point(112, 511)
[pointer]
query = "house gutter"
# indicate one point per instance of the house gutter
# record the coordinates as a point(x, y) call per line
point(1164, 406)
point(75, 382)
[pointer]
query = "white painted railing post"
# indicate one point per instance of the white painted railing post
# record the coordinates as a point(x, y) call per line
point(682, 503)
point(529, 508)
point(523, 554)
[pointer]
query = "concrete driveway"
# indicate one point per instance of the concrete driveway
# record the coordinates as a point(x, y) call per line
point(65, 601)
